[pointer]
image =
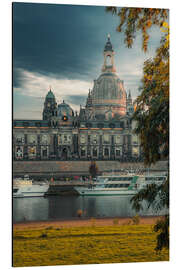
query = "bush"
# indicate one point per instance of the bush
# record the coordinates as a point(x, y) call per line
point(136, 220)
point(79, 213)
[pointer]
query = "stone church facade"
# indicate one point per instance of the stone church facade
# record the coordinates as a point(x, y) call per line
point(102, 130)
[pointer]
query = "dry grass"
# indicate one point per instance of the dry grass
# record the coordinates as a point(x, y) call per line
point(85, 245)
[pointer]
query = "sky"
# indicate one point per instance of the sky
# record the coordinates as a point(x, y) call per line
point(61, 47)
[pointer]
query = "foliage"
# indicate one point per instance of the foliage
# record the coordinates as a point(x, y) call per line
point(138, 19)
point(93, 169)
point(162, 226)
point(79, 213)
point(85, 245)
point(136, 219)
point(156, 196)
point(152, 105)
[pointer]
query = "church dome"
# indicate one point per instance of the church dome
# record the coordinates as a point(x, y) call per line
point(65, 110)
point(108, 91)
point(108, 87)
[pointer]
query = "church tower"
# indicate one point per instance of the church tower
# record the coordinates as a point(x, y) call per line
point(129, 104)
point(50, 106)
point(108, 65)
point(108, 92)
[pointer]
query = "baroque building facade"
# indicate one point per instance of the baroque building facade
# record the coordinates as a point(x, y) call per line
point(102, 130)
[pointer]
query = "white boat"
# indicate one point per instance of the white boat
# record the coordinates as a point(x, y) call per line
point(24, 187)
point(119, 185)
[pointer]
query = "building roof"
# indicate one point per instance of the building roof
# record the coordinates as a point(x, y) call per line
point(30, 123)
point(108, 46)
point(64, 109)
point(50, 95)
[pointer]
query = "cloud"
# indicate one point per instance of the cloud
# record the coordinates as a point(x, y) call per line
point(62, 46)
point(33, 84)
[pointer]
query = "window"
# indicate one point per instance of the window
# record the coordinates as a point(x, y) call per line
point(118, 139)
point(108, 60)
point(94, 152)
point(66, 138)
point(106, 151)
point(19, 152)
point(88, 125)
point(95, 138)
point(19, 138)
point(44, 139)
point(121, 124)
point(82, 138)
point(32, 138)
point(106, 138)
point(32, 151)
point(44, 151)
point(112, 125)
point(83, 152)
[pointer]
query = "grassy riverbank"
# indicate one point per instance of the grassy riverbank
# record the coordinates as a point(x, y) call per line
point(40, 245)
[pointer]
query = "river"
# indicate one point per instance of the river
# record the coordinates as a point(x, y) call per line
point(66, 207)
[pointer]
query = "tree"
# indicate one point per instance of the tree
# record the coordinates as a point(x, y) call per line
point(93, 169)
point(152, 105)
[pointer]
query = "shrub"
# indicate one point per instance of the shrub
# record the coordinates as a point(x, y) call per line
point(136, 220)
point(79, 213)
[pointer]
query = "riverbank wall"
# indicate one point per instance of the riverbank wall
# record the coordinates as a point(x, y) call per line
point(58, 169)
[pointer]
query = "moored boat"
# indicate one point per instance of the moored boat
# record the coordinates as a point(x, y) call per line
point(24, 187)
point(119, 185)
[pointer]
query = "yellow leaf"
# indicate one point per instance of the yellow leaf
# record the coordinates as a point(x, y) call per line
point(165, 24)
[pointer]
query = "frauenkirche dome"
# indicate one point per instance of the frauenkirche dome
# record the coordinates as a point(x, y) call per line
point(108, 91)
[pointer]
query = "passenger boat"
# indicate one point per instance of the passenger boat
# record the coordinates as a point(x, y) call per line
point(24, 187)
point(119, 185)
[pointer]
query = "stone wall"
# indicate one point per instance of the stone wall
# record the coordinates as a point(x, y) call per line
point(68, 168)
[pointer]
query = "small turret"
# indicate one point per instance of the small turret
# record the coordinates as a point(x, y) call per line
point(129, 104)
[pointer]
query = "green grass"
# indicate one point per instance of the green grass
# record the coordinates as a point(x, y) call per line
point(85, 245)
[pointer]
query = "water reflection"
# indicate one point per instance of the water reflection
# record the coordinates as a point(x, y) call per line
point(51, 208)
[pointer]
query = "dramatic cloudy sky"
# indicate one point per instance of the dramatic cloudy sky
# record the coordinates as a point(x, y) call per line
point(62, 46)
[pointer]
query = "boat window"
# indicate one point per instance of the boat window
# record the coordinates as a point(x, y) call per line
point(15, 190)
point(160, 178)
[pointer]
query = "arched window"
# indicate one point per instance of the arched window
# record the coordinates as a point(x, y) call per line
point(108, 60)
point(94, 152)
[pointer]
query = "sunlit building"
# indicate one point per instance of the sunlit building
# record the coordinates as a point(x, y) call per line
point(102, 130)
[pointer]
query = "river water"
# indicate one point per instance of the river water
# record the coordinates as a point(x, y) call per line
point(66, 207)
